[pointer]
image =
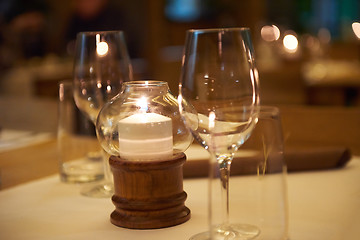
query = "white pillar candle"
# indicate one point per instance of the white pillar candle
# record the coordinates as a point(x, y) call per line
point(145, 136)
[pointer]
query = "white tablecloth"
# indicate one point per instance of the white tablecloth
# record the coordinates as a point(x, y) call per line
point(323, 205)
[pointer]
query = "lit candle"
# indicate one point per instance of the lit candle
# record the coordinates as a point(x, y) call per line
point(145, 136)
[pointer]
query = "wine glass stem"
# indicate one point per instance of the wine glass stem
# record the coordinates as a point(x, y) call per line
point(224, 166)
point(107, 172)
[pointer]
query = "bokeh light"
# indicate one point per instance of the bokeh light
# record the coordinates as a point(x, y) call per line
point(270, 33)
point(290, 43)
point(356, 29)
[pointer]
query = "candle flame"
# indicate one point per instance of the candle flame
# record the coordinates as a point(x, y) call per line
point(143, 104)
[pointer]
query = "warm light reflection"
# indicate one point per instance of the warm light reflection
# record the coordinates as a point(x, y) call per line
point(254, 78)
point(108, 88)
point(356, 29)
point(102, 48)
point(61, 93)
point(180, 99)
point(290, 43)
point(270, 33)
point(212, 120)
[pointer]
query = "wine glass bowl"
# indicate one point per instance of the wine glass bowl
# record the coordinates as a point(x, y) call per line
point(101, 66)
point(220, 81)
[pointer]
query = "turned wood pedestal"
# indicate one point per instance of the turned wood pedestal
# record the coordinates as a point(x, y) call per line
point(149, 194)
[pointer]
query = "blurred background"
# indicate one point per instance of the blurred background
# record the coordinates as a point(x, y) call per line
point(307, 50)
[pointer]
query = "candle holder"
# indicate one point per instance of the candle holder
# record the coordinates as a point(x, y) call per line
point(143, 131)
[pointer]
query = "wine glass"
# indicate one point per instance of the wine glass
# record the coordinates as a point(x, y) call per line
point(220, 80)
point(101, 65)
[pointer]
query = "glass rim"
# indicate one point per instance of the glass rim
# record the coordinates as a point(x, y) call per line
point(92, 33)
point(213, 30)
point(145, 83)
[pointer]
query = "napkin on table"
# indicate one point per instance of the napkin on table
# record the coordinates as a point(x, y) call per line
point(11, 139)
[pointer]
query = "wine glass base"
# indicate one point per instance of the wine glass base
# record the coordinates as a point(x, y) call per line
point(99, 190)
point(229, 232)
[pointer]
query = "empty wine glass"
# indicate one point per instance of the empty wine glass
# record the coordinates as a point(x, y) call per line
point(220, 80)
point(101, 65)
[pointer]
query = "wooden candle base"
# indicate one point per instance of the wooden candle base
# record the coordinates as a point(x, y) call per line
point(149, 194)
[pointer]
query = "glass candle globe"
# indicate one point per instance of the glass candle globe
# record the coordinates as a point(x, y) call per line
point(143, 122)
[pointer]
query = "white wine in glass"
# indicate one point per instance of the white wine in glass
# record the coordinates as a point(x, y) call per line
point(220, 80)
point(101, 65)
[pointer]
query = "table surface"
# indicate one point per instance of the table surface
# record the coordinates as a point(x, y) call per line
point(322, 205)
point(34, 204)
